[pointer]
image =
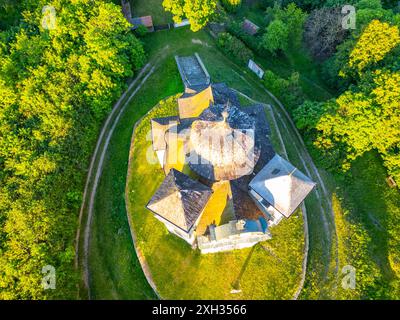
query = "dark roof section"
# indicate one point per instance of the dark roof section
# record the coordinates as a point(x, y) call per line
point(236, 131)
point(250, 27)
point(263, 132)
point(165, 120)
point(237, 119)
point(180, 200)
point(223, 94)
point(243, 204)
point(193, 73)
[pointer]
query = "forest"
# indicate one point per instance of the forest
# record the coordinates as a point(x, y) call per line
point(56, 87)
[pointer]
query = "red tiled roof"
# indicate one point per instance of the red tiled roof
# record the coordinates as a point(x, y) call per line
point(146, 21)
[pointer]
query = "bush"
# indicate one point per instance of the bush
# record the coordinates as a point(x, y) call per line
point(308, 114)
point(288, 90)
point(277, 37)
point(253, 42)
point(234, 47)
point(141, 31)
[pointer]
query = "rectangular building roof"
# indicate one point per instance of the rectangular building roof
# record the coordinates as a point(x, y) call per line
point(146, 21)
point(159, 126)
point(193, 73)
point(250, 27)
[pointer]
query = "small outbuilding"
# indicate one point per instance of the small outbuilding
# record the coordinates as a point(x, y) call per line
point(250, 27)
point(146, 21)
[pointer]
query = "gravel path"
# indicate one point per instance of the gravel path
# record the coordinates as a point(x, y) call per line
point(95, 170)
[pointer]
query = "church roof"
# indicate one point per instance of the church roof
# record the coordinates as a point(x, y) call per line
point(159, 126)
point(180, 200)
point(222, 144)
point(282, 185)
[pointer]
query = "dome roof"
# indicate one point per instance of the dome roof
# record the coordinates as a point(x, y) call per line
point(222, 144)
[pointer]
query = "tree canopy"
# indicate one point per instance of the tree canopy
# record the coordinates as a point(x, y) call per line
point(56, 86)
point(286, 28)
point(198, 12)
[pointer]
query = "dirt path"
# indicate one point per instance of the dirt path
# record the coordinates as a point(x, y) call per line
point(96, 166)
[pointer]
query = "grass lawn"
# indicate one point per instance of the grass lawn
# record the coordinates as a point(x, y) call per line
point(366, 204)
point(114, 269)
point(152, 8)
point(110, 241)
point(270, 270)
point(365, 195)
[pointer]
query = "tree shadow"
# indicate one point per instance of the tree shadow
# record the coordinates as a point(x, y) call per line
point(236, 283)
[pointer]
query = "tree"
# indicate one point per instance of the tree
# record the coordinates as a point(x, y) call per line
point(324, 32)
point(294, 19)
point(288, 90)
point(198, 12)
point(308, 115)
point(366, 119)
point(56, 86)
point(232, 5)
point(276, 37)
point(376, 41)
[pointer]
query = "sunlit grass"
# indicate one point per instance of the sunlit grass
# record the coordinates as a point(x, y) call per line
point(269, 271)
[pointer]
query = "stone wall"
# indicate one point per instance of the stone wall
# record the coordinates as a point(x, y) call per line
point(244, 240)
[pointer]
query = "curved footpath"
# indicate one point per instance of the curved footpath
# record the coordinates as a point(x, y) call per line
point(95, 170)
point(139, 254)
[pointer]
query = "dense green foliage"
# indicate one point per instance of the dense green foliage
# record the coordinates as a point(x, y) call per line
point(234, 47)
point(198, 12)
point(11, 11)
point(363, 118)
point(362, 70)
point(56, 86)
point(232, 5)
point(285, 29)
point(288, 90)
point(276, 38)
